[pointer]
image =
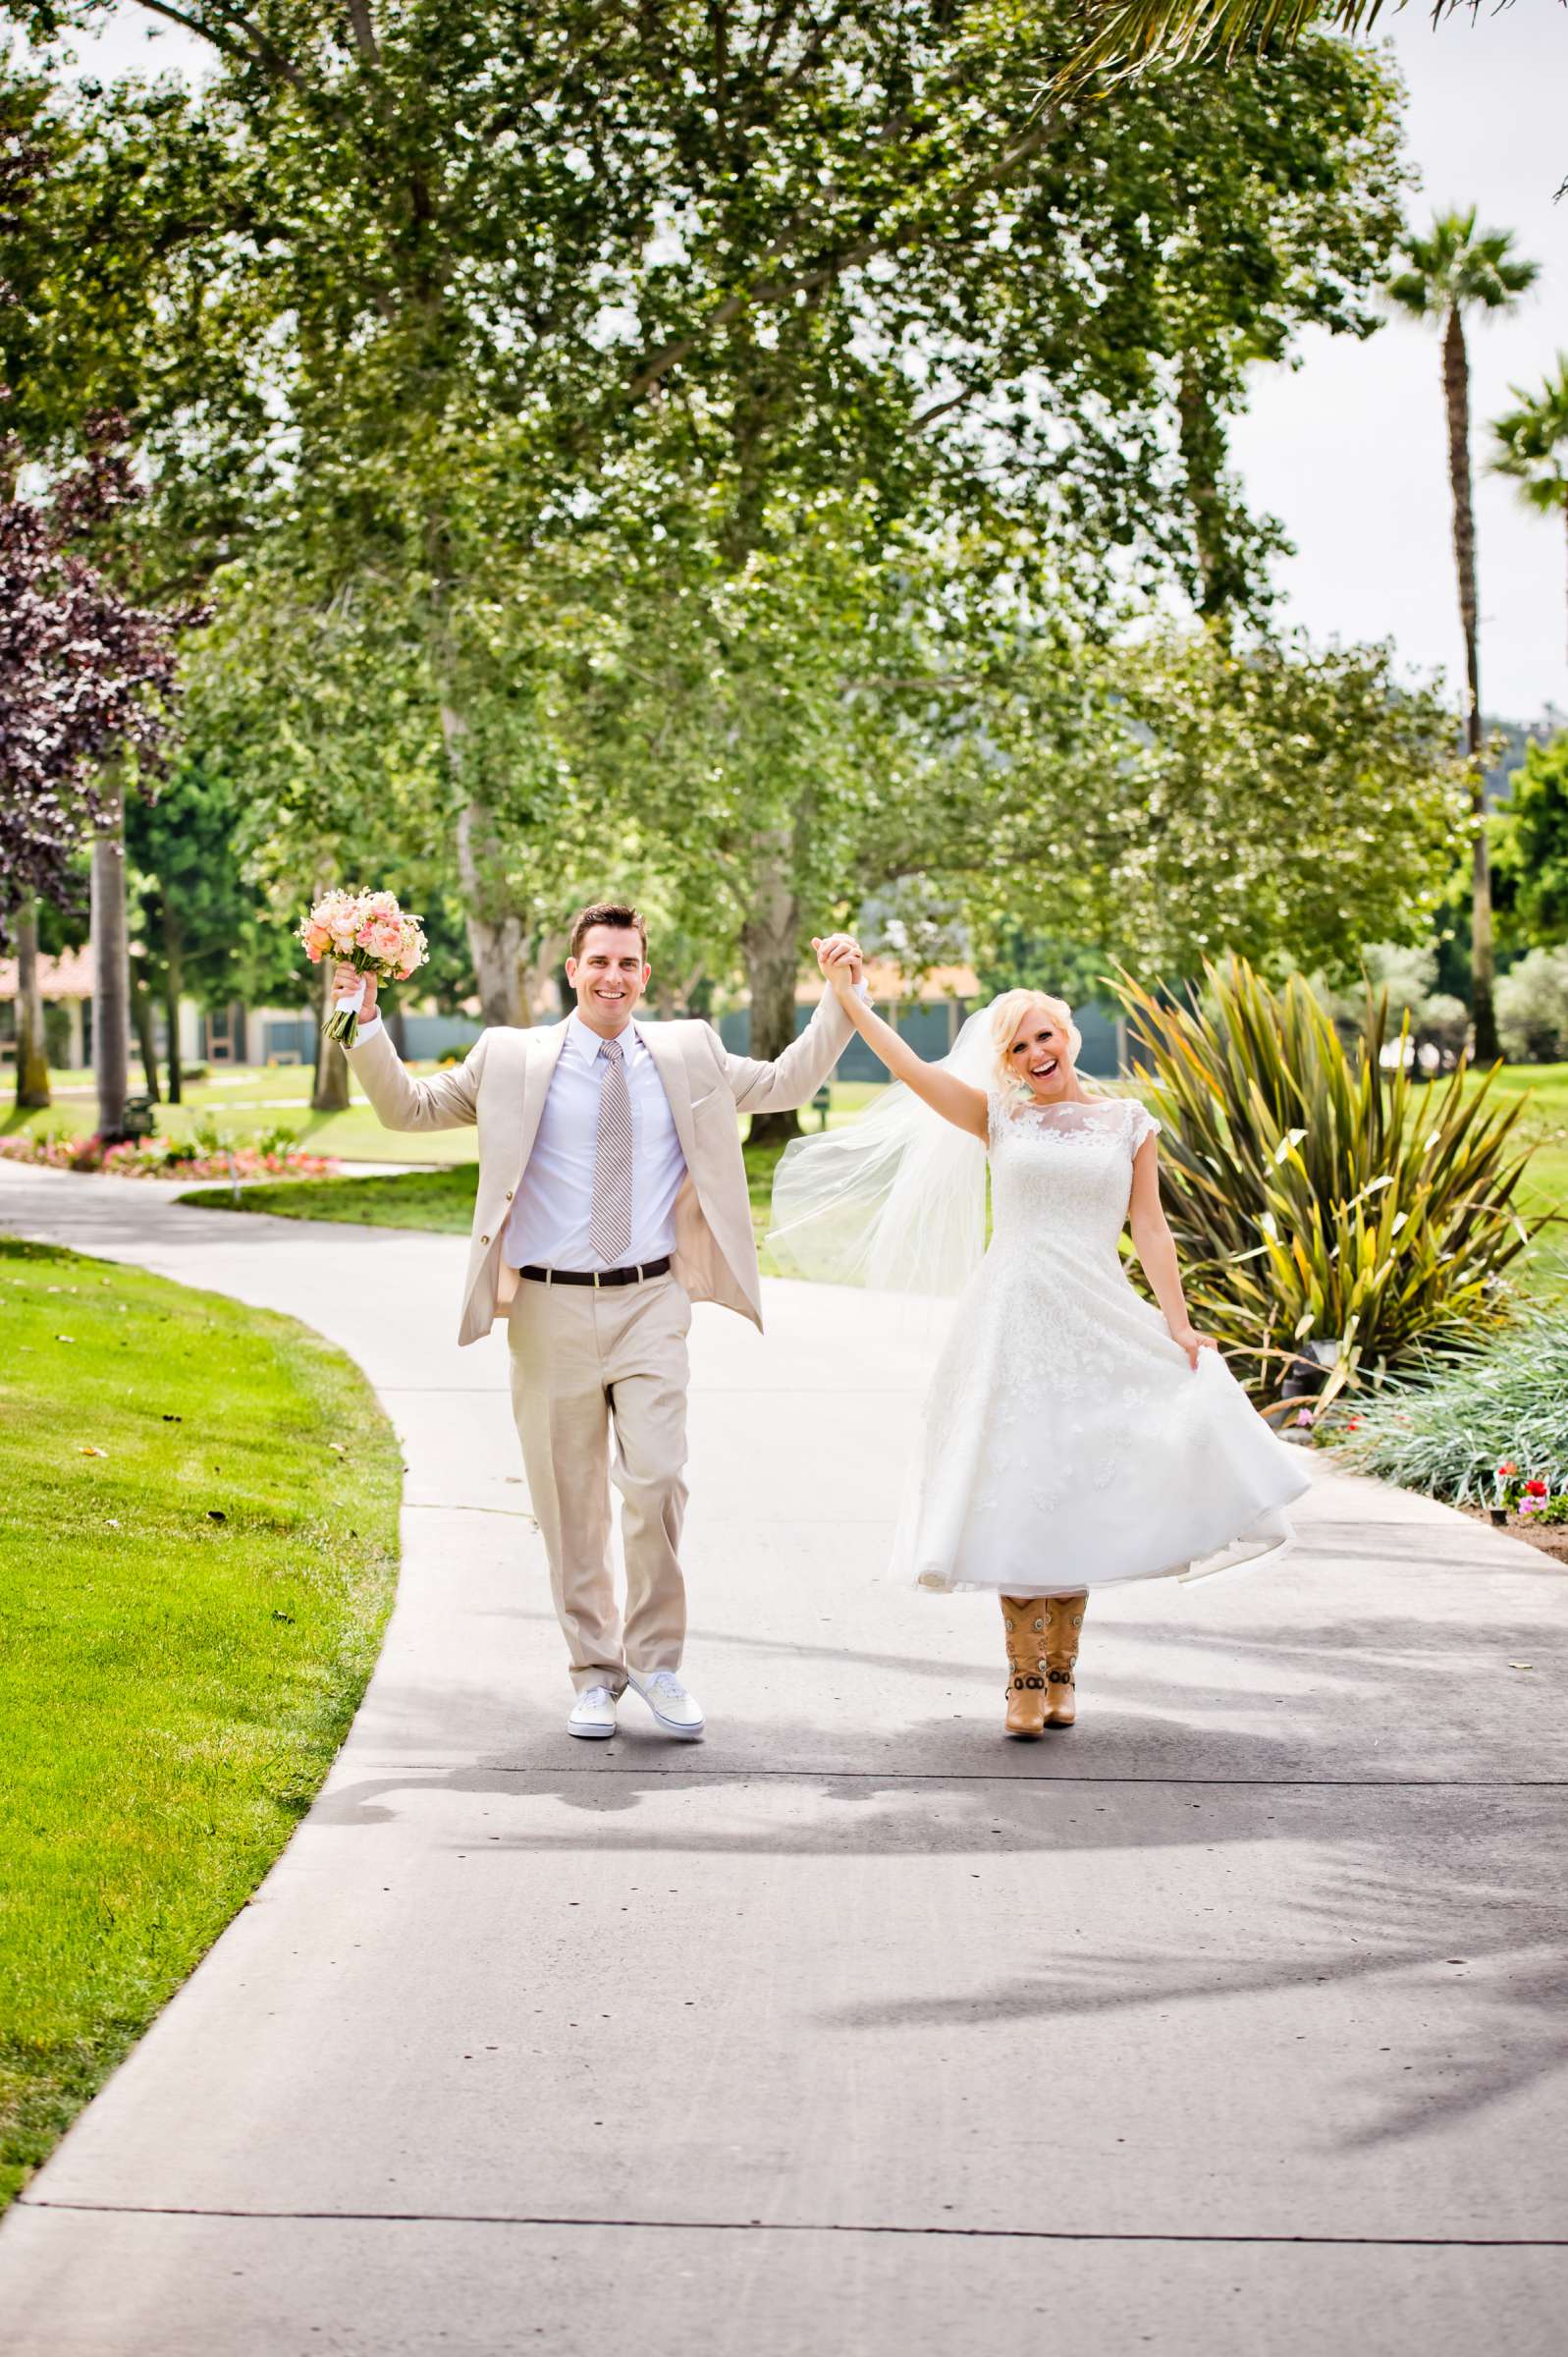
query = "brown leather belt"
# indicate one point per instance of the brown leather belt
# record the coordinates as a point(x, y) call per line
point(598, 1277)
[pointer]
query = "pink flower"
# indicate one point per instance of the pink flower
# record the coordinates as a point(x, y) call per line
point(1304, 1415)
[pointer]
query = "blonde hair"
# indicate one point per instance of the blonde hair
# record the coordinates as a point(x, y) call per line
point(1008, 1011)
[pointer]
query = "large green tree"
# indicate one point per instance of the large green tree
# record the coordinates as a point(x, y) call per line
point(448, 299)
point(200, 927)
point(1182, 794)
point(1532, 847)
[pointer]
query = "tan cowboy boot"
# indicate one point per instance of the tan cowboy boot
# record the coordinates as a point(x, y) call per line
point(1063, 1619)
point(1024, 1620)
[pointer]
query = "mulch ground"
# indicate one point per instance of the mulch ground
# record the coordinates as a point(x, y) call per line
point(1551, 1540)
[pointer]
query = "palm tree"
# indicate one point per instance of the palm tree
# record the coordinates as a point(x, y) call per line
point(1455, 269)
point(1533, 444)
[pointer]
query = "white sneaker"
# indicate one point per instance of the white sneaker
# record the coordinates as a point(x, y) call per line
point(678, 1712)
point(593, 1715)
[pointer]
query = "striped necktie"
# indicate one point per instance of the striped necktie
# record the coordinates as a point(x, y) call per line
point(609, 1216)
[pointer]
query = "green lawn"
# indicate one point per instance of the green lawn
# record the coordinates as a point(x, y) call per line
point(1542, 1271)
point(436, 1199)
point(240, 1101)
point(439, 1199)
point(193, 1586)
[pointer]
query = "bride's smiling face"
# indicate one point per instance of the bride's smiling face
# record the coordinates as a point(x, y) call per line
point(1041, 1057)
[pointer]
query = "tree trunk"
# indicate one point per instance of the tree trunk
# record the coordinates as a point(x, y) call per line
point(1203, 456)
point(111, 965)
point(173, 981)
point(497, 936)
point(33, 1059)
point(331, 1091)
point(770, 940)
point(541, 989)
point(1482, 963)
point(142, 1017)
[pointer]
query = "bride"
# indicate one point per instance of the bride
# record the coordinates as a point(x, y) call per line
point(1075, 1436)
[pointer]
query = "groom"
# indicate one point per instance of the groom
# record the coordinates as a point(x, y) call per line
point(611, 1196)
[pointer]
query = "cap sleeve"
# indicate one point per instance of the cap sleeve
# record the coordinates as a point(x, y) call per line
point(1141, 1123)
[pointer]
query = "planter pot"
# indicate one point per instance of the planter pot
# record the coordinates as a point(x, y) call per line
point(1499, 1515)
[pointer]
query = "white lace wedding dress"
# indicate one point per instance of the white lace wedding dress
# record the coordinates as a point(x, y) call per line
point(1067, 1442)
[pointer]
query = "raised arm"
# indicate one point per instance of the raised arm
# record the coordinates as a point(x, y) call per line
point(953, 1099)
point(446, 1100)
point(794, 1077)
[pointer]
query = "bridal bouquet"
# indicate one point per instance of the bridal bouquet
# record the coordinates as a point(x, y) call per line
point(368, 931)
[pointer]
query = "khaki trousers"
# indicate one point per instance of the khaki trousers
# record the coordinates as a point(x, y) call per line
point(588, 1361)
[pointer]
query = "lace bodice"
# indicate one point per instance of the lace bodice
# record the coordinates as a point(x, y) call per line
point(1061, 1175)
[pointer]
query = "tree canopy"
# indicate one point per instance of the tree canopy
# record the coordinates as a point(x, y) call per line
point(681, 442)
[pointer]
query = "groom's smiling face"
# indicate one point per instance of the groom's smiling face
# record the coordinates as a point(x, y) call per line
point(609, 975)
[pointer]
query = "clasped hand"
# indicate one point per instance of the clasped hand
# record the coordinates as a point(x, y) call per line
point(839, 957)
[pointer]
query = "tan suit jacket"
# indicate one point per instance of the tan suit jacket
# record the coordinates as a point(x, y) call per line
point(502, 1085)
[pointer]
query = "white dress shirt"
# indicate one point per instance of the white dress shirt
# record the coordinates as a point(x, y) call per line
point(547, 1227)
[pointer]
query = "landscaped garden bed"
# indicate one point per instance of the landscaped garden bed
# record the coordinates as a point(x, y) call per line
point(1486, 1433)
point(272, 1155)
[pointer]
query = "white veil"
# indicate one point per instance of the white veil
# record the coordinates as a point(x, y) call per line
point(896, 1200)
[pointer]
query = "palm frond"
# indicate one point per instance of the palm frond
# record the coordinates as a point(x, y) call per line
point(1456, 266)
point(1531, 442)
point(1124, 36)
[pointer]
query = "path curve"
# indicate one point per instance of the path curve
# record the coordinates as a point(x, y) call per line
point(1230, 2022)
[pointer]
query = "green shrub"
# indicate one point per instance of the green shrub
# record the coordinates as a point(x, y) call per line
point(1315, 1197)
point(1447, 1433)
point(1532, 1007)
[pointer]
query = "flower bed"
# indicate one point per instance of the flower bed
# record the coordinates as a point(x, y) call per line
point(274, 1157)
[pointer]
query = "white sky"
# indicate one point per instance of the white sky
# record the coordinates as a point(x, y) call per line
point(1349, 449)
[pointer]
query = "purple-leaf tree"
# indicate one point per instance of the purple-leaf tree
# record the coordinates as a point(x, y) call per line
point(86, 688)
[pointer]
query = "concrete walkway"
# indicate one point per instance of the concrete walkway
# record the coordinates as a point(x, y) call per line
point(1232, 2022)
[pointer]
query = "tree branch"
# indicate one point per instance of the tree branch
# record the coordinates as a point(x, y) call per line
point(939, 409)
point(364, 32)
point(238, 38)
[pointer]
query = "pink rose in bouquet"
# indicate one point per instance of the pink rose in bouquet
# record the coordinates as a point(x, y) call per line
point(368, 931)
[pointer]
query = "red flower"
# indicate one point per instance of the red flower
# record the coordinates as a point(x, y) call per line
point(1506, 1468)
point(1534, 1488)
